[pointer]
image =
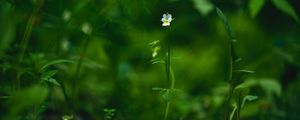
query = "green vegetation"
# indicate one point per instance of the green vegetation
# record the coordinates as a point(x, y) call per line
point(118, 60)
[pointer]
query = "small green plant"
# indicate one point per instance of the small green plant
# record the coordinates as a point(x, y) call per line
point(238, 92)
point(166, 93)
point(109, 113)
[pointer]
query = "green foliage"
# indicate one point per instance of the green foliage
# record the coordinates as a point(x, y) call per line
point(27, 98)
point(285, 7)
point(255, 6)
point(54, 63)
point(109, 113)
point(67, 117)
point(237, 93)
point(47, 76)
point(226, 25)
point(7, 29)
point(204, 6)
point(71, 59)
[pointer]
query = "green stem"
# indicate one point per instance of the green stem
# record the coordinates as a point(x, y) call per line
point(167, 110)
point(172, 78)
point(231, 57)
point(80, 60)
point(25, 40)
point(168, 62)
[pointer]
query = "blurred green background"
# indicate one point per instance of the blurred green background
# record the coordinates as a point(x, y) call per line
point(43, 40)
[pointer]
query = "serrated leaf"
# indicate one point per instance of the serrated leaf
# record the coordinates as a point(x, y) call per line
point(285, 7)
point(255, 6)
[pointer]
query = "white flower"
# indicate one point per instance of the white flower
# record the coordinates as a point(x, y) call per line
point(166, 19)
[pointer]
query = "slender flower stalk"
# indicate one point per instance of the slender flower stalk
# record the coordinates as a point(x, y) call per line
point(167, 18)
point(87, 29)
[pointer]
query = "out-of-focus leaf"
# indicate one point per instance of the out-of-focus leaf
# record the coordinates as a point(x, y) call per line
point(7, 29)
point(248, 98)
point(27, 98)
point(67, 117)
point(157, 89)
point(285, 7)
point(270, 86)
point(240, 92)
point(233, 111)
point(48, 74)
point(226, 24)
point(244, 71)
point(53, 81)
point(255, 6)
point(204, 6)
point(55, 62)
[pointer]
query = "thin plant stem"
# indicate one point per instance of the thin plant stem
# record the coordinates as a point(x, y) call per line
point(25, 40)
point(169, 75)
point(167, 110)
point(78, 67)
point(227, 116)
point(172, 78)
point(168, 62)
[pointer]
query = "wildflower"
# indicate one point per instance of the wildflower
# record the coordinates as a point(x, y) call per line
point(166, 19)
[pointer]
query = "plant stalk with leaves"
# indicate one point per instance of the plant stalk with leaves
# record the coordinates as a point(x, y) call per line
point(238, 92)
point(165, 92)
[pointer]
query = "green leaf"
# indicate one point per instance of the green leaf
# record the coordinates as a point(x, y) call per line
point(244, 71)
point(27, 98)
point(285, 7)
point(270, 86)
point(226, 24)
point(255, 6)
point(241, 92)
point(53, 81)
point(157, 89)
point(233, 111)
point(248, 98)
point(67, 117)
point(7, 23)
point(55, 62)
point(204, 6)
point(49, 74)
